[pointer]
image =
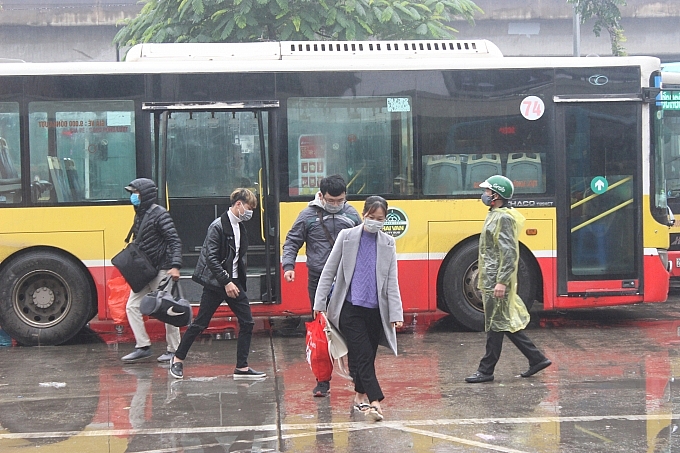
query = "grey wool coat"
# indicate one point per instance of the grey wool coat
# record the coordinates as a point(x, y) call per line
point(339, 269)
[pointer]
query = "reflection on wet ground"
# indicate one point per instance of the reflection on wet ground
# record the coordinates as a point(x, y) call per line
point(611, 388)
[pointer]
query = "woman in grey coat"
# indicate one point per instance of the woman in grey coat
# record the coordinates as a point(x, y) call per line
point(365, 304)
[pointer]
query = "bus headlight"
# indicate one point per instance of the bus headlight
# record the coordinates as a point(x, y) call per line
point(663, 255)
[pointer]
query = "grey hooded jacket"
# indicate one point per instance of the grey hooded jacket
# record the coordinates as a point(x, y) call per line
point(308, 229)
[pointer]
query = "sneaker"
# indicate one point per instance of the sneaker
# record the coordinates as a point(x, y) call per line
point(137, 355)
point(249, 374)
point(323, 388)
point(374, 414)
point(479, 377)
point(165, 357)
point(177, 370)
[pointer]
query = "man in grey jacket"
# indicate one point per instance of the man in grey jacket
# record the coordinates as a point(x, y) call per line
point(318, 225)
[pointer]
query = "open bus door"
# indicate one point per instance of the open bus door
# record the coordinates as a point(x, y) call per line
point(599, 235)
point(203, 151)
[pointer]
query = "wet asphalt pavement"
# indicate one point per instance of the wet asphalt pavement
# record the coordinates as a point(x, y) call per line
point(611, 388)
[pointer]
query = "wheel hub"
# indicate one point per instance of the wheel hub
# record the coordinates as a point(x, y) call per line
point(472, 294)
point(43, 297)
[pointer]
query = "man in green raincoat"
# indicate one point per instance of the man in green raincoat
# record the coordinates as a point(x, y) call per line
point(504, 311)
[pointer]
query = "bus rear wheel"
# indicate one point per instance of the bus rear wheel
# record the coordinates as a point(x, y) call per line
point(458, 285)
point(45, 298)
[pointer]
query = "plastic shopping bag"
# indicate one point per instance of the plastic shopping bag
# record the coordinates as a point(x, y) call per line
point(119, 293)
point(318, 356)
point(337, 348)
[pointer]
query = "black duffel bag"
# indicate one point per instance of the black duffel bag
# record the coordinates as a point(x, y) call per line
point(167, 306)
point(132, 262)
point(135, 267)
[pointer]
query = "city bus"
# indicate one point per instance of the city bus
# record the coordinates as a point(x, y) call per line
point(421, 123)
point(667, 141)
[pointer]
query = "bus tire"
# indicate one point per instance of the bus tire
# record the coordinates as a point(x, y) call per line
point(458, 285)
point(45, 298)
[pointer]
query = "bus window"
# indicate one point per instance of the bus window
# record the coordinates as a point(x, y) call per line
point(212, 153)
point(82, 151)
point(667, 129)
point(460, 153)
point(367, 140)
point(10, 159)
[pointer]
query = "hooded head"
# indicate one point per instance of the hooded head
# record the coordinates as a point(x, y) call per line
point(148, 192)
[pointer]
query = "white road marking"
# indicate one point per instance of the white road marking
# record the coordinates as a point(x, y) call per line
point(313, 429)
point(459, 440)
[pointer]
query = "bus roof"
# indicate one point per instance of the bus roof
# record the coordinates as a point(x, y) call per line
point(671, 67)
point(287, 50)
point(670, 79)
point(301, 56)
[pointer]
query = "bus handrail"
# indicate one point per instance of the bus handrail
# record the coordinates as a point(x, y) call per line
point(590, 197)
point(349, 184)
point(604, 214)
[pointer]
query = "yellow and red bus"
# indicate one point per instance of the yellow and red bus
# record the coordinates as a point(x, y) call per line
point(666, 139)
point(421, 123)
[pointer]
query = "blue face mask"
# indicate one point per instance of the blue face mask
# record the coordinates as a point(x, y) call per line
point(487, 199)
point(134, 199)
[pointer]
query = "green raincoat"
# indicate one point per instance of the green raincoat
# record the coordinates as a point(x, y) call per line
point(498, 263)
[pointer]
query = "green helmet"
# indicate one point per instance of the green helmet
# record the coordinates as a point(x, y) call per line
point(499, 184)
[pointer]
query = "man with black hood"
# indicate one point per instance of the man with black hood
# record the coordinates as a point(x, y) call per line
point(160, 242)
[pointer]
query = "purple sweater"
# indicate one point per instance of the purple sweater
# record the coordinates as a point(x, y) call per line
point(363, 290)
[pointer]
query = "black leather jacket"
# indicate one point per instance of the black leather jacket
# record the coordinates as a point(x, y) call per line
point(214, 266)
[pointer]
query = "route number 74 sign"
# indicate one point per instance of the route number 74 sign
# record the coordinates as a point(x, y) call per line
point(532, 108)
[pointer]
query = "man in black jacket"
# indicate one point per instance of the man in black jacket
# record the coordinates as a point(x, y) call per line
point(160, 242)
point(221, 269)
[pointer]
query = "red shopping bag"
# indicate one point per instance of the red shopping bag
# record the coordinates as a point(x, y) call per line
point(317, 349)
point(119, 293)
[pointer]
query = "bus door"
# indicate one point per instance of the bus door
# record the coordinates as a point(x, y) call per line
point(599, 235)
point(202, 152)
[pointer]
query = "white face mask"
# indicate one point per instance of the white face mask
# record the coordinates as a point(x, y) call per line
point(332, 208)
point(247, 214)
point(373, 226)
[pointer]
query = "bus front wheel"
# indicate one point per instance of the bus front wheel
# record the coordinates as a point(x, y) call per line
point(458, 285)
point(45, 298)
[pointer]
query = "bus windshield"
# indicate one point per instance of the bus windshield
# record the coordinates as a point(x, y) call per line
point(667, 139)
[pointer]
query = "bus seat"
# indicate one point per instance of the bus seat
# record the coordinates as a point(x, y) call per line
point(480, 167)
point(72, 177)
point(10, 182)
point(7, 170)
point(443, 175)
point(61, 187)
point(526, 172)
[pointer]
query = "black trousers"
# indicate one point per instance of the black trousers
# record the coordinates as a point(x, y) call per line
point(494, 345)
point(362, 328)
point(211, 299)
point(312, 283)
